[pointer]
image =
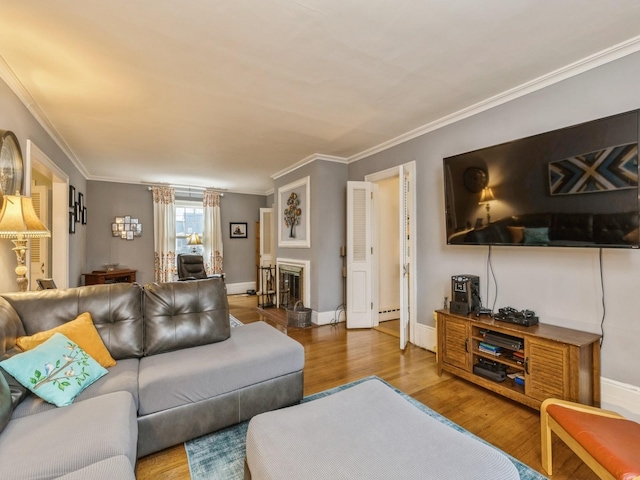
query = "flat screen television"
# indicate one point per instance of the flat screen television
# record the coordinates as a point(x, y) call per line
point(573, 187)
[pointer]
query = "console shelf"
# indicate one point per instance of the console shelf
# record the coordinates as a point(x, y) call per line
point(556, 362)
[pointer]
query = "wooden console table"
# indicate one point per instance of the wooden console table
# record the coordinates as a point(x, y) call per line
point(99, 277)
point(554, 361)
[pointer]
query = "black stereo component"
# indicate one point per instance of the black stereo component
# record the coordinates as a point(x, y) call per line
point(511, 315)
point(465, 294)
point(491, 370)
point(503, 340)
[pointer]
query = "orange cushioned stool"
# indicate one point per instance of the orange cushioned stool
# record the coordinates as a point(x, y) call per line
point(607, 442)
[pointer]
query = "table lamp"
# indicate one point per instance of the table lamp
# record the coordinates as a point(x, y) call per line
point(19, 222)
point(485, 198)
point(194, 240)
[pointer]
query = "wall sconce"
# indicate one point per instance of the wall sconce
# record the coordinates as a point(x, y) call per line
point(194, 241)
point(485, 198)
point(19, 222)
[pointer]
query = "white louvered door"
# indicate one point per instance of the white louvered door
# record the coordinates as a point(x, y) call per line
point(39, 247)
point(361, 266)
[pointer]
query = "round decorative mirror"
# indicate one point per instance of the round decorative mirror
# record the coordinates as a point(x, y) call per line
point(475, 179)
point(10, 164)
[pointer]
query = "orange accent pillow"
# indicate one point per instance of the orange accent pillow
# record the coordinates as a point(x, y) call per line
point(632, 237)
point(517, 233)
point(82, 331)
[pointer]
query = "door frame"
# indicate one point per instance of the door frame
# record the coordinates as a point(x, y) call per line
point(38, 160)
point(409, 245)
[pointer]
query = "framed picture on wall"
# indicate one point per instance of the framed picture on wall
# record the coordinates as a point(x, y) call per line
point(294, 218)
point(238, 230)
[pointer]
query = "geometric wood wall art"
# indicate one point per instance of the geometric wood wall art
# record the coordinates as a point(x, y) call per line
point(612, 168)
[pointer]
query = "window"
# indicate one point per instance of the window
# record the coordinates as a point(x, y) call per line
point(189, 219)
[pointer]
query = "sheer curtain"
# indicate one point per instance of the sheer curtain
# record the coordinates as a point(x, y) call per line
point(164, 233)
point(212, 235)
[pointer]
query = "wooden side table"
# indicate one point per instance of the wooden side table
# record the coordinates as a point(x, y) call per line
point(99, 277)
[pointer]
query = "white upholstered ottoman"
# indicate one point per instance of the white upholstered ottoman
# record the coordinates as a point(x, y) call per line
point(367, 431)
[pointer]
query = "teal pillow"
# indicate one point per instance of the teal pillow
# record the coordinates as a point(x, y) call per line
point(536, 236)
point(6, 405)
point(57, 370)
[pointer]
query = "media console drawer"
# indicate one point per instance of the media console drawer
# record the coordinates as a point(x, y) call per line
point(540, 361)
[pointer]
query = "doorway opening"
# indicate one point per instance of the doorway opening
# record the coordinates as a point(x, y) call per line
point(367, 226)
point(49, 187)
point(388, 241)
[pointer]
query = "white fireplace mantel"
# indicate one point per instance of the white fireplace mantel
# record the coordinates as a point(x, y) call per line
point(306, 283)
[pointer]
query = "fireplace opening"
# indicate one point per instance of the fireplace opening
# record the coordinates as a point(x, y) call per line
point(291, 285)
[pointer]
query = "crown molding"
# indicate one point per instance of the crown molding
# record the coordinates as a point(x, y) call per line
point(598, 59)
point(307, 160)
point(27, 100)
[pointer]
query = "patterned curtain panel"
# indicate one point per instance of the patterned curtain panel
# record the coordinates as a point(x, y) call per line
point(164, 233)
point(212, 235)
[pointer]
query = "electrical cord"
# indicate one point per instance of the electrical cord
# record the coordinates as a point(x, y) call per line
point(495, 281)
point(604, 308)
point(336, 315)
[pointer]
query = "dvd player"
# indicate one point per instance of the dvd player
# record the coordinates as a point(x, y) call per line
point(503, 340)
point(497, 375)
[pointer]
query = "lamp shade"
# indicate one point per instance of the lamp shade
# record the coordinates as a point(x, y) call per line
point(486, 196)
point(194, 239)
point(18, 219)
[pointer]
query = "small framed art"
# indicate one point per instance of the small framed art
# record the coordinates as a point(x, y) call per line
point(238, 230)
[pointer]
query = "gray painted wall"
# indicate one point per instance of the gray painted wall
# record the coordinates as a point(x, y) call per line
point(106, 200)
point(328, 218)
point(16, 117)
point(239, 253)
point(561, 284)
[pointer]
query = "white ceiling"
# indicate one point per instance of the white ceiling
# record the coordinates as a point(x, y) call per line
point(227, 93)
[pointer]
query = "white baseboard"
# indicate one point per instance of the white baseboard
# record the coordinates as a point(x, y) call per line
point(425, 337)
point(236, 288)
point(326, 318)
point(620, 397)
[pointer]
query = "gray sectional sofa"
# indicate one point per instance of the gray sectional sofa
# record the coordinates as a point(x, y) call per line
point(181, 372)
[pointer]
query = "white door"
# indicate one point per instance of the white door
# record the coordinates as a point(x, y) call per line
point(39, 247)
point(405, 251)
point(266, 243)
point(362, 304)
point(407, 245)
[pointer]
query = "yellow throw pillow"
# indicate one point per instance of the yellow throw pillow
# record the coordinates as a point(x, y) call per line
point(81, 331)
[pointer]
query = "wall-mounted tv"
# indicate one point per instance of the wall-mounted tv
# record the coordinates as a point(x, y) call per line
point(574, 187)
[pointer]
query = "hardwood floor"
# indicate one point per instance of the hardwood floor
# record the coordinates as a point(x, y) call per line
point(334, 355)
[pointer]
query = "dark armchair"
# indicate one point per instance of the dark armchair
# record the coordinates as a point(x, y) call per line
point(191, 267)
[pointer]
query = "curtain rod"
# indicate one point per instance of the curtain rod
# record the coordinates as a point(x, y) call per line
point(186, 188)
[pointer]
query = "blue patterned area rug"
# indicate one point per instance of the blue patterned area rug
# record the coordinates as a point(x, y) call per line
point(234, 322)
point(220, 455)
